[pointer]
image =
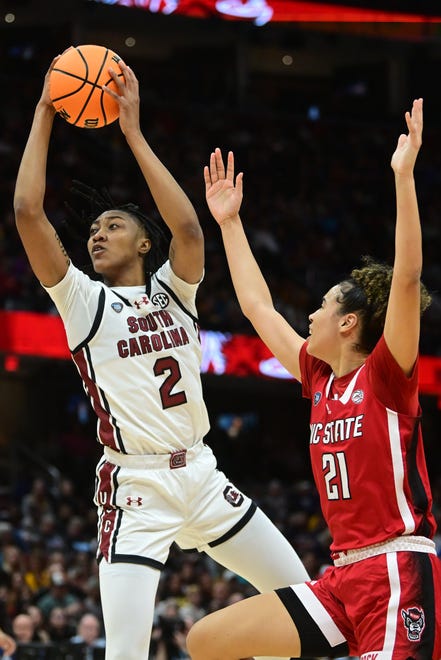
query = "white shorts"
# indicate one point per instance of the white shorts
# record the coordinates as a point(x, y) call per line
point(145, 503)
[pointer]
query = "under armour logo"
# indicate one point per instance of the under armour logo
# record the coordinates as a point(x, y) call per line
point(134, 500)
point(139, 303)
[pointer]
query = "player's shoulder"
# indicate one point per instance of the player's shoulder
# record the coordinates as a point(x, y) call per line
point(166, 275)
point(164, 272)
point(75, 274)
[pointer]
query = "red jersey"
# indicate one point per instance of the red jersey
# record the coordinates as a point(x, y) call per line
point(366, 450)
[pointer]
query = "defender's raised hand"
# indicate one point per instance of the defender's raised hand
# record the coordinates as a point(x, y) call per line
point(404, 157)
point(222, 192)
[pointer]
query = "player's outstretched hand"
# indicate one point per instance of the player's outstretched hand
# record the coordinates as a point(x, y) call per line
point(404, 157)
point(45, 94)
point(127, 97)
point(222, 192)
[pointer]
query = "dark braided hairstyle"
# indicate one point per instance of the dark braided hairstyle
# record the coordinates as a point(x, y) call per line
point(366, 292)
point(99, 201)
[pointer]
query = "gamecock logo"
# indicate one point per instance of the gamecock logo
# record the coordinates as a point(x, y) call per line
point(233, 496)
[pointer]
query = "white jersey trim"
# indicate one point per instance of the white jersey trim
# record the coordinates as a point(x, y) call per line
point(398, 470)
point(392, 609)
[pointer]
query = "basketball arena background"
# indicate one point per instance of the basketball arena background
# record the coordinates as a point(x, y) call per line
point(237, 74)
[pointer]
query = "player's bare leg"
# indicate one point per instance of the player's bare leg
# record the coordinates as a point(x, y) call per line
point(256, 626)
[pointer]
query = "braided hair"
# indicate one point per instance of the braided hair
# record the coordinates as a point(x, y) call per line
point(366, 291)
point(99, 201)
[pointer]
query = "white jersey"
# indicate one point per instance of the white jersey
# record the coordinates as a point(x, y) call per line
point(139, 354)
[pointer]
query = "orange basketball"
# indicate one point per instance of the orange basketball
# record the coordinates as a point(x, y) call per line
point(75, 86)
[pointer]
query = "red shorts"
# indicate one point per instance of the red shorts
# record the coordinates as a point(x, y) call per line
point(386, 607)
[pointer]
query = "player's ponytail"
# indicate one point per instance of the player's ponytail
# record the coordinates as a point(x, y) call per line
point(366, 292)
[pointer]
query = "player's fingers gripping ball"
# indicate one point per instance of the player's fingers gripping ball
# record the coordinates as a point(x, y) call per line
point(75, 86)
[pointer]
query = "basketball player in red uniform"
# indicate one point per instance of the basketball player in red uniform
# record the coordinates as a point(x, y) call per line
point(134, 338)
point(359, 366)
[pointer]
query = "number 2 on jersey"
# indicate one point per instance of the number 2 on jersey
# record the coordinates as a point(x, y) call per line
point(169, 366)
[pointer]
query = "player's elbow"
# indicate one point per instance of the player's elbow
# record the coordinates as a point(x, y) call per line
point(247, 309)
point(192, 230)
point(22, 207)
point(252, 307)
point(21, 213)
point(25, 211)
point(190, 234)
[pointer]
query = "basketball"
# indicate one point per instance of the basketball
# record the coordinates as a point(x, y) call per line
point(75, 86)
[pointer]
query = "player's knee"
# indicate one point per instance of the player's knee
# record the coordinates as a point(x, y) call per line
point(195, 639)
point(201, 642)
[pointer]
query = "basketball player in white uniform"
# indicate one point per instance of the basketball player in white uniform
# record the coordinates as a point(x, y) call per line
point(134, 339)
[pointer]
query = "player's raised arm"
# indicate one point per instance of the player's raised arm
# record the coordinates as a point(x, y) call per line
point(187, 245)
point(224, 198)
point(402, 325)
point(46, 254)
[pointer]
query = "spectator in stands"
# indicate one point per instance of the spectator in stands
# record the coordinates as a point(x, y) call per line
point(40, 633)
point(12, 559)
point(92, 600)
point(36, 574)
point(50, 536)
point(221, 591)
point(170, 631)
point(191, 607)
point(37, 502)
point(89, 634)
point(23, 629)
point(58, 626)
point(60, 596)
